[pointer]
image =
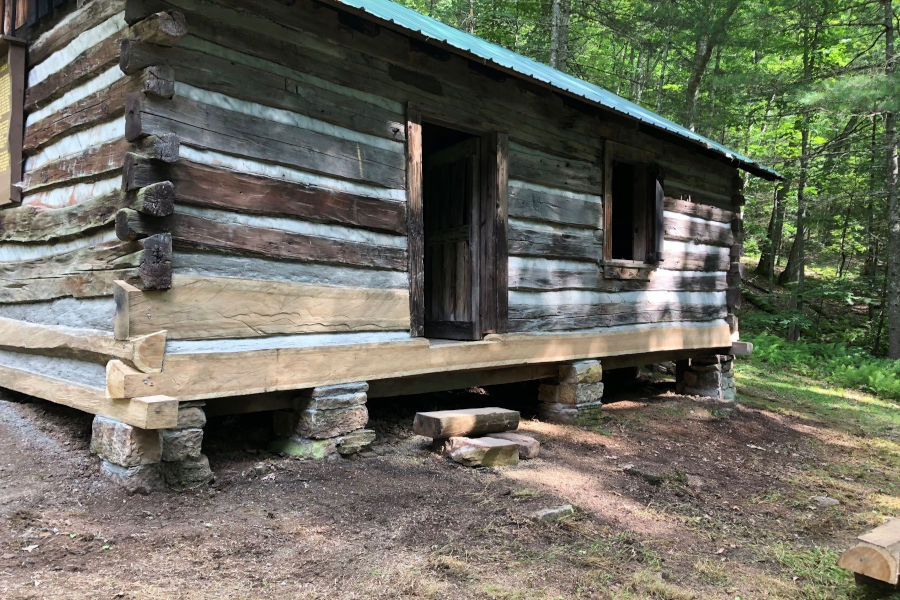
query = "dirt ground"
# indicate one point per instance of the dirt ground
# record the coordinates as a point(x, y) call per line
point(676, 498)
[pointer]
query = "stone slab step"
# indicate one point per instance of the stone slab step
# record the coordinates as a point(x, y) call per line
point(486, 452)
point(528, 446)
point(444, 424)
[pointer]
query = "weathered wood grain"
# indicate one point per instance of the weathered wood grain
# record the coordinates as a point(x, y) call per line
point(445, 424)
point(36, 224)
point(213, 128)
point(572, 243)
point(98, 107)
point(697, 209)
point(528, 164)
point(527, 202)
point(85, 17)
point(94, 163)
point(145, 352)
point(161, 28)
point(196, 376)
point(684, 229)
point(201, 185)
point(139, 171)
point(98, 58)
point(590, 276)
point(573, 317)
point(217, 307)
point(156, 262)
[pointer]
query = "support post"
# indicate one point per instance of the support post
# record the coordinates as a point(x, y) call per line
point(326, 422)
point(575, 397)
point(710, 376)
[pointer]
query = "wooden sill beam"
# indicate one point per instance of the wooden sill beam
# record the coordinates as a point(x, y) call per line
point(216, 375)
point(147, 413)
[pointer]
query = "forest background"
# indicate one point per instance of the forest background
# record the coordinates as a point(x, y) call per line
point(807, 87)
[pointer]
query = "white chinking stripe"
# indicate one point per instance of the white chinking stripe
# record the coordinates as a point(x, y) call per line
point(547, 227)
point(518, 263)
point(76, 194)
point(636, 327)
point(193, 43)
point(223, 265)
point(682, 217)
point(254, 167)
point(84, 313)
point(17, 252)
point(64, 369)
point(283, 341)
point(284, 117)
point(566, 297)
point(671, 247)
point(534, 187)
point(78, 142)
point(101, 82)
point(335, 232)
point(86, 40)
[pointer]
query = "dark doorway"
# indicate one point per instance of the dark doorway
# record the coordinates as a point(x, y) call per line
point(452, 187)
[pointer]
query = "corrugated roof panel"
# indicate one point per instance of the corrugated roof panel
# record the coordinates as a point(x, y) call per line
point(412, 21)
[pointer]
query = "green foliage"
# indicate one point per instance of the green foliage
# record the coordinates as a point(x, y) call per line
point(835, 362)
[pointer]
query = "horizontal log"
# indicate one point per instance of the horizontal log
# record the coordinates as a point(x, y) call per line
point(575, 317)
point(565, 243)
point(36, 224)
point(696, 209)
point(198, 376)
point(145, 352)
point(303, 95)
point(132, 225)
point(531, 202)
point(527, 164)
point(685, 229)
point(85, 17)
point(140, 171)
point(189, 231)
point(98, 58)
point(590, 277)
point(75, 285)
point(161, 28)
point(201, 185)
point(155, 200)
point(215, 307)
point(93, 163)
point(694, 261)
point(146, 413)
point(98, 107)
point(212, 128)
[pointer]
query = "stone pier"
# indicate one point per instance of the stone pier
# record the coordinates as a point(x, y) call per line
point(709, 376)
point(142, 460)
point(328, 421)
point(575, 396)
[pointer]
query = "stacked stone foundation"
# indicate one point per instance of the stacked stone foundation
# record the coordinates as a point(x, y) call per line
point(576, 395)
point(327, 422)
point(708, 376)
point(142, 460)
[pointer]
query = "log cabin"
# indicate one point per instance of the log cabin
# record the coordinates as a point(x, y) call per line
point(229, 206)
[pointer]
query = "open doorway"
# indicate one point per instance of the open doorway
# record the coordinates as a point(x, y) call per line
point(451, 189)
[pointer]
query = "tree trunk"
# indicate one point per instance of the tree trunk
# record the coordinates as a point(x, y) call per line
point(772, 248)
point(890, 126)
point(559, 33)
point(870, 266)
point(704, 46)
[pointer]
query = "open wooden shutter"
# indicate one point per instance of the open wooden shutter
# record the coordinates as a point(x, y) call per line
point(659, 199)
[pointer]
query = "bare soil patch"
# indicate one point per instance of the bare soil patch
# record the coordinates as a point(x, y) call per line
point(675, 498)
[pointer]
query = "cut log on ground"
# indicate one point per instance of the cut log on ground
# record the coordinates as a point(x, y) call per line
point(877, 554)
point(444, 424)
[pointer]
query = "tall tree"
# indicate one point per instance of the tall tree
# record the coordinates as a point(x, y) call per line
point(561, 11)
point(893, 286)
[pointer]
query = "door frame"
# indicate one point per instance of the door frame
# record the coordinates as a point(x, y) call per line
point(493, 281)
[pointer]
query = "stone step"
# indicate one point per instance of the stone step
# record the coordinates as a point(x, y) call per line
point(444, 424)
point(528, 446)
point(487, 452)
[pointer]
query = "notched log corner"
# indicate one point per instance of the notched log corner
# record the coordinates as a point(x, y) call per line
point(156, 266)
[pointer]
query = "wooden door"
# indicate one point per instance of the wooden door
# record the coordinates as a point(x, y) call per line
point(451, 194)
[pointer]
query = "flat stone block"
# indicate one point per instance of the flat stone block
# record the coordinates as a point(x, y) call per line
point(487, 452)
point(468, 422)
point(558, 413)
point(324, 424)
point(554, 513)
point(187, 474)
point(325, 391)
point(355, 442)
point(123, 444)
point(528, 446)
point(583, 371)
point(191, 416)
point(340, 401)
point(141, 479)
point(299, 447)
point(181, 444)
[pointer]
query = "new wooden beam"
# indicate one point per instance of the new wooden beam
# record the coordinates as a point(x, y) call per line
point(145, 352)
point(219, 307)
point(146, 413)
point(199, 376)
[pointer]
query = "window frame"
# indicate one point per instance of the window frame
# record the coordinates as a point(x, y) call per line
point(16, 52)
point(653, 222)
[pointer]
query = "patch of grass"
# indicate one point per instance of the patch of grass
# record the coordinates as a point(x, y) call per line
point(713, 572)
point(815, 570)
point(649, 585)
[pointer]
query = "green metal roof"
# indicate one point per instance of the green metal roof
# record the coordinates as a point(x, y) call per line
point(475, 48)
